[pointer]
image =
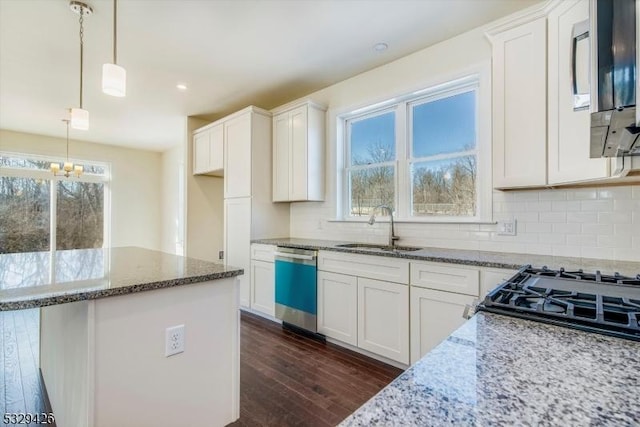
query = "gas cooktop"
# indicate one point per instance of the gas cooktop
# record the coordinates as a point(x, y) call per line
point(606, 304)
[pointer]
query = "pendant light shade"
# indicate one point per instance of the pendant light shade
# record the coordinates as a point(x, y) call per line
point(114, 80)
point(114, 77)
point(79, 119)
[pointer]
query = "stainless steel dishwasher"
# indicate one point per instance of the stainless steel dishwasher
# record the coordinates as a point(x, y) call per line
point(296, 287)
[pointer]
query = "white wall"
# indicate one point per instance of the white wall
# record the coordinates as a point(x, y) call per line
point(135, 188)
point(204, 206)
point(173, 200)
point(593, 223)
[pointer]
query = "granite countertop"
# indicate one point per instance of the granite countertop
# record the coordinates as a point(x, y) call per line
point(498, 370)
point(38, 279)
point(505, 260)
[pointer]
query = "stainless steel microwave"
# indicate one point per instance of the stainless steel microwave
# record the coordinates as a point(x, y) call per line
point(614, 33)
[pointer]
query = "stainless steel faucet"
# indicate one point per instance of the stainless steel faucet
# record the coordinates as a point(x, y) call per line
point(372, 220)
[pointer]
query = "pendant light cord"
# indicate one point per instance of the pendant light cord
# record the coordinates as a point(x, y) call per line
point(115, 33)
point(67, 122)
point(81, 51)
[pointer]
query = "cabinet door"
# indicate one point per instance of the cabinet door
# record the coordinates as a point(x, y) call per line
point(237, 155)
point(281, 162)
point(383, 318)
point(520, 106)
point(201, 152)
point(298, 178)
point(263, 291)
point(338, 306)
point(434, 316)
point(569, 130)
point(237, 241)
point(216, 148)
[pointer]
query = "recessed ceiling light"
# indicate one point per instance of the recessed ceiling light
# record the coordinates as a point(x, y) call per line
point(181, 86)
point(380, 47)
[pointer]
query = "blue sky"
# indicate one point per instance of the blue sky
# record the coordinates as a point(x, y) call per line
point(441, 126)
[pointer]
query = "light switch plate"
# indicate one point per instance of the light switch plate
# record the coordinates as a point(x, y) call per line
point(507, 227)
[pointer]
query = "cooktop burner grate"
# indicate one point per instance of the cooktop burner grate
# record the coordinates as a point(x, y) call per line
point(608, 304)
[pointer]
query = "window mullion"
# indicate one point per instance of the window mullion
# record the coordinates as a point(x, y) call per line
point(53, 215)
point(403, 180)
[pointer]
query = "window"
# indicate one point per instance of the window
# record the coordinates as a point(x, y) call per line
point(419, 154)
point(372, 155)
point(443, 155)
point(41, 212)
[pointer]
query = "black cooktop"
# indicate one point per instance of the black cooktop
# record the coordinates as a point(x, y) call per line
point(606, 304)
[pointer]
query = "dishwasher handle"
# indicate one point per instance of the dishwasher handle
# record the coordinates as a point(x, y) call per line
point(295, 256)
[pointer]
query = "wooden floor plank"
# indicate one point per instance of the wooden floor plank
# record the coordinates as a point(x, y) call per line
point(3, 387)
point(14, 397)
point(29, 365)
point(287, 379)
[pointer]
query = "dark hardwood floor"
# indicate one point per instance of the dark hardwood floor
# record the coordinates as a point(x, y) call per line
point(285, 379)
point(21, 389)
point(290, 380)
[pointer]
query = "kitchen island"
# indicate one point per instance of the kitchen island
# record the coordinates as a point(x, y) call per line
point(498, 370)
point(104, 315)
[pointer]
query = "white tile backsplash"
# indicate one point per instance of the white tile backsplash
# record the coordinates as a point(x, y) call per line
point(598, 222)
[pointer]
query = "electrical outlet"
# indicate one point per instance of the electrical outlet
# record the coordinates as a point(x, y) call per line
point(174, 340)
point(220, 254)
point(507, 227)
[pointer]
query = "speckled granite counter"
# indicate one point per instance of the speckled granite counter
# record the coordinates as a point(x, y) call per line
point(502, 371)
point(467, 257)
point(38, 279)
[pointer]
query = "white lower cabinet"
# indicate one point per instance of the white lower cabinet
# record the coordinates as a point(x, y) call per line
point(492, 277)
point(383, 318)
point(263, 289)
point(338, 306)
point(237, 237)
point(434, 316)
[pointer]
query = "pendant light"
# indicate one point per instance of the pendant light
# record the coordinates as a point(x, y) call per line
point(67, 167)
point(114, 77)
point(80, 116)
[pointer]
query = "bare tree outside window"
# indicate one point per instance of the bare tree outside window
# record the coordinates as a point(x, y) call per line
point(80, 215)
point(372, 155)
point(24, 215)
point(445, 189)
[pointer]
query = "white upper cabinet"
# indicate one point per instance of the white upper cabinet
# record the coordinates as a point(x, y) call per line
point(569, 121)
point(237, 156)
point(541, 118)
point(208, 154)
point(298, 153)
point(520, 105)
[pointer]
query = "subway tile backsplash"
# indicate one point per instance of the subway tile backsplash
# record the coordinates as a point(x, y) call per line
point(600, 222)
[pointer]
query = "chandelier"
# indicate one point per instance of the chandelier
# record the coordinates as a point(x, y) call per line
point(67, 167)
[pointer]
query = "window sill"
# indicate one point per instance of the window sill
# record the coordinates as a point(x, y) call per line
point(416, 221)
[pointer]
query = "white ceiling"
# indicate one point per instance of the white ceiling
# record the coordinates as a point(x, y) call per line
point(230, 53)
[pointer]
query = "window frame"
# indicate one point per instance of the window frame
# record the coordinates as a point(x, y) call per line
point(105, 179)
point(478, 78)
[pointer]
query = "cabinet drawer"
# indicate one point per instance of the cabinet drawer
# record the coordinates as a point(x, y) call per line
point(370, 266)
point(260, 252)
point(446, 278)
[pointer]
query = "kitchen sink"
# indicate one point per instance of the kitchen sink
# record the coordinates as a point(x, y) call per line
point(374, 247)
